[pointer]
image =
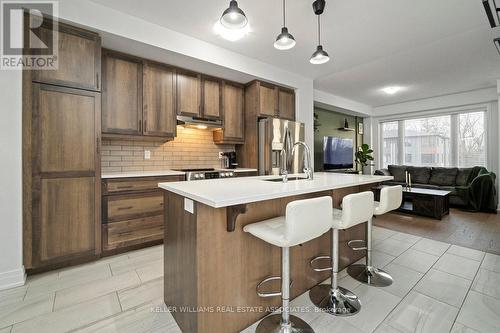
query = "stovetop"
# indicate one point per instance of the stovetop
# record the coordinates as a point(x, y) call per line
point(206, 173)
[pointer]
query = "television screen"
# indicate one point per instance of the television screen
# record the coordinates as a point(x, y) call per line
point(337, 153)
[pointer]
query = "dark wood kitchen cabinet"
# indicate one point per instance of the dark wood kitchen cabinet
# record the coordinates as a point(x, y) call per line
point(286, 103)
point(121, 94)
point(78, 57)
point(132, 213)
point(65, 184)
point(269, 100)
point(159, 100)
point(188, 93)
point(233, 116)
point(211, 98)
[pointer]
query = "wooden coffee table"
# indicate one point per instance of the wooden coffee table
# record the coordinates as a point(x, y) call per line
point(421, 201)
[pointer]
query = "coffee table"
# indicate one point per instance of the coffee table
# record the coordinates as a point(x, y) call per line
point(422, 201)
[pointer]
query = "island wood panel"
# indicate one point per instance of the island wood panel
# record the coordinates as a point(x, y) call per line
point(211, 98)
point(227, 266)
point(121, 94)
point(78, 55)
point(159, 100)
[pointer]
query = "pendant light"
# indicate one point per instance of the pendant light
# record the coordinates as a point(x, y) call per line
point(233, 17)
point(285, 40)
point(320, 56)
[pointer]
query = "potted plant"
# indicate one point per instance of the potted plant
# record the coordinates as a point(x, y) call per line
point(364, 156)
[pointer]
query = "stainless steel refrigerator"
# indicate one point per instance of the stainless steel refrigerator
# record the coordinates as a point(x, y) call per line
point(274, 135)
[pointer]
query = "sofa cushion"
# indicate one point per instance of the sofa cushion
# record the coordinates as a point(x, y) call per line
point(463, 175)
point(419, 175)
point(443, 176)
point(398, 172)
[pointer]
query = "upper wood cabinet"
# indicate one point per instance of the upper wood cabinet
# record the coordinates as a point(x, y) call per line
point(286, 103)
point(159, 100)
point(188, 94)
point(233, 118)
point(211, 97)
point(78, 57)
point(268, 101)
point(121, 94)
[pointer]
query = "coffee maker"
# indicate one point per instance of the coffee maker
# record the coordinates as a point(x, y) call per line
point(228, 160)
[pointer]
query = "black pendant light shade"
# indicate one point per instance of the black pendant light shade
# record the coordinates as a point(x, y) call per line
point(233, 17)
point(285, 40)
point(320, 56)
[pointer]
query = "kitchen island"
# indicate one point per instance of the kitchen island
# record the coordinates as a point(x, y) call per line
point(212, 267)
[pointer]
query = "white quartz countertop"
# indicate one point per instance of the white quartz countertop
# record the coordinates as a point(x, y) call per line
point(219, 193)
point(239, 170)
point(142, 174)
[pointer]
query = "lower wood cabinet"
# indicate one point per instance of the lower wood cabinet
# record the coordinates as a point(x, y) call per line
point(132, 212)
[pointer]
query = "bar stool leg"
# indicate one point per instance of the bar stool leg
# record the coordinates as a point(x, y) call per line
point(368, 274)
point(334, 299)
point(284, 323)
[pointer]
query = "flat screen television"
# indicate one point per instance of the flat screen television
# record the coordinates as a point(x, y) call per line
point(337, 153)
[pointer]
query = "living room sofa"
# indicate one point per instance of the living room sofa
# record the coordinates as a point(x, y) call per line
point(471, 188)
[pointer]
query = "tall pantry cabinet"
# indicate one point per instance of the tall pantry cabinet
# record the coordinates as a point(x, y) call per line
point(61, 157)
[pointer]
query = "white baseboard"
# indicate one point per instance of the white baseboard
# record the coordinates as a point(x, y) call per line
point(12, 279)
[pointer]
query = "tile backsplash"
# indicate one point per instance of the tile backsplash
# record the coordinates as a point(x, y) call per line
point(192, 148)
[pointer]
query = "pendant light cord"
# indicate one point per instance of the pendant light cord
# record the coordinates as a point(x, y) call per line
point(319, 32)
point(284, 14)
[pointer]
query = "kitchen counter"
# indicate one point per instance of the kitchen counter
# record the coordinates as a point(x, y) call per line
point(132, 174)
point(220, 193)
point(237, 170)
point(210, 263)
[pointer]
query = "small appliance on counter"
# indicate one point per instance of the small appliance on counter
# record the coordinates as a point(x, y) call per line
point(208, 173)
point(228, 160)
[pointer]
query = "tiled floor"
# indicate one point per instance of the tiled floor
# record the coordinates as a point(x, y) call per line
point(437, 287)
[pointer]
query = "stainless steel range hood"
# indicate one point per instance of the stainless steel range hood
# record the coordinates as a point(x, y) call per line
point(199, 123)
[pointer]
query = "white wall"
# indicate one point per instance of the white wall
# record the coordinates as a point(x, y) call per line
point(11, 267)
point(324, 100)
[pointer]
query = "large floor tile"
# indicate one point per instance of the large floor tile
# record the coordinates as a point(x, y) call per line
point(146, 292)
point(466, 252)
point(480, 312)
point(431, 246)
point(375, 305)
point(416, 260)
point(403, 237)
point(136, 262)
point(491, 262)
point(460, 266)
point(152, 271)
point(17, 312)
point(379, 259)
point(391, 246)
point(444, 287)
point(420, 313)
point(332, 324)
point(487, 282)
point(71, 280)
point(384, 328)
point(460, 328)
point(94, 289)
point(75, 271)
point(403, 279)
point(13, 295)
point(139, 320)
point(6, 329)
point(73, 317)
point(381, 233)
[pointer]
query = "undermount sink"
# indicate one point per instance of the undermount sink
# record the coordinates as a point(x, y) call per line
point(280, 179)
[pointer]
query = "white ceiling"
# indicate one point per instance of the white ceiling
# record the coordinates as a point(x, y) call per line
point(429, 47)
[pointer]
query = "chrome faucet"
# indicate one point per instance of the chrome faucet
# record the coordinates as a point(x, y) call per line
point(286, 155)
point(307, 155)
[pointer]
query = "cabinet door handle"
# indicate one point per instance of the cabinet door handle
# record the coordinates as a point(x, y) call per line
point(98, 145)
point(97, 79)
point(125, 208)
point(145, 125)
point(125, 187)
point(140, 126)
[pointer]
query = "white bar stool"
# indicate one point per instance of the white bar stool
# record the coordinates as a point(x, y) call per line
point(390, 199)
point(304, 221)
point(338, 301)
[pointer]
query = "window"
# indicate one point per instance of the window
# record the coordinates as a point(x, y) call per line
point(428, 141)
point(390, 142)
point(472, 140)
point(445, 141)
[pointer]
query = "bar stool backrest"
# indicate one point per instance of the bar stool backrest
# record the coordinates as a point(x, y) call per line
point(390, 199)
point(308, 219)
point(356, 208)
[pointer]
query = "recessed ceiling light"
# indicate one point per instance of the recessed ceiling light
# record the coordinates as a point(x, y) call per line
point(231, 35)
point(391, 90)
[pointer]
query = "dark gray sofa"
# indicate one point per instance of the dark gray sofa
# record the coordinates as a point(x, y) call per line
point(471, 188)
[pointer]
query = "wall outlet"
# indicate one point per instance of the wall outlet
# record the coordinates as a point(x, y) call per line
point(220, 154)
point(147, 154)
